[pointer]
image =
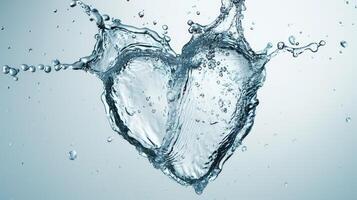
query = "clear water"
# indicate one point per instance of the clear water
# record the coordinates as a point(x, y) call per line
point(186, 112)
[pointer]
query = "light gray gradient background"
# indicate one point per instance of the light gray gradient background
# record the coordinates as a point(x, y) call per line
point(300, 147)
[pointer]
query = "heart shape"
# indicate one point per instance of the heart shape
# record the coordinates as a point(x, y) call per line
point(187, 113)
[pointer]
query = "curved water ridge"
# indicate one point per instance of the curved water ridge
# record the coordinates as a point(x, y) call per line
point(188, 112)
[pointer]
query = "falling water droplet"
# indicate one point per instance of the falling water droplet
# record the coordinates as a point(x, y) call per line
point(48, 69)
point(286, 184)
point(141, 14)
point(165, 27)
point(73, 3)
point(348, 119)
point(343, 44)
point(292, 40)
point(72, 155)
point(110, 139)
point(24, 67)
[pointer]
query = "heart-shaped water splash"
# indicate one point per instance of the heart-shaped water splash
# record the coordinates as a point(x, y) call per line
point(187, 113)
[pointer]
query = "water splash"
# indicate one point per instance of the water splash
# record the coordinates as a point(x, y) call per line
point(187, 113)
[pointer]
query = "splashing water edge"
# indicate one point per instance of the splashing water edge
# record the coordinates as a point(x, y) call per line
point(187, 113)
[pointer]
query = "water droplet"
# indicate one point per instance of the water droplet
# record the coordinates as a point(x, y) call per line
point(72, 155)
point(13, 72)
point(343, 44)
point(55, 11)
point(165, 27)
point(292, 40)
point(141, 14)
point(348, 119)
point(286, 184)
point(24, 67)
point(41, 67)
point(198, 13)
point(32, 69)
point(56, 62)
point(244, 148)
point(281, 45)
point(110, 139)
point(73, 3)
point(5, 69)
point(48, 69)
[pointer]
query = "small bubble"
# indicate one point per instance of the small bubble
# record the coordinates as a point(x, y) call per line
point(2, 28)
point(55, 11)
point(244, 148)
point(72, 155)
point(198, 13)
point(154, 22)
